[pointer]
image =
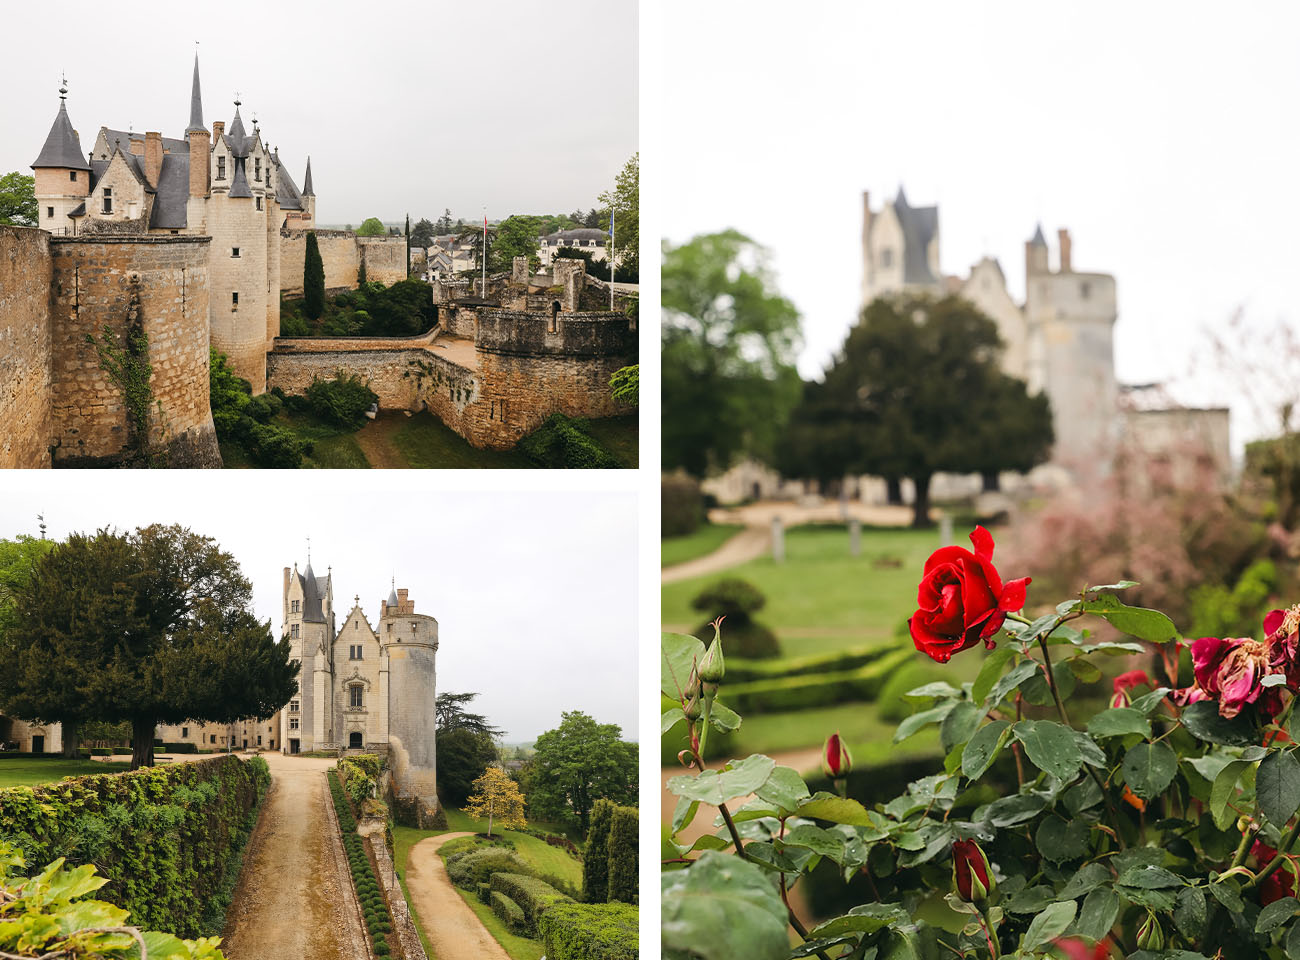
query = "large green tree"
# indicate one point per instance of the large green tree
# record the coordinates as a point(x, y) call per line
point(729, 346)
point(625, 201)
point(372, 227)
point(577, 764)
point(18, 200)
point(313, 280)
point(18, 558)
point(915, 390)
point(152, 626)
point(463, 755)
point(450, 714)
point(422, 233)
point(516, 237)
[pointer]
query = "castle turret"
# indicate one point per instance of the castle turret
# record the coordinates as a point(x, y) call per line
point(410, 641)
point(200, 148)
point(1036, 253)
point(61, 172)
point(308, 199)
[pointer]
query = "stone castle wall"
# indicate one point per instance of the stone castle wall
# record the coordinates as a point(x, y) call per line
point(25, 359)
point(341, 252)
point(239, 329)
point(92, 284)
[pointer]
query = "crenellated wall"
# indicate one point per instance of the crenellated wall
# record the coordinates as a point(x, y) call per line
point(25, 272)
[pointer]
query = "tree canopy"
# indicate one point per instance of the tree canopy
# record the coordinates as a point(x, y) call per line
point(516, 237)
point(372, 227)
point(153, 626)
point(625, 200)
point(313, 279)
point(18, 200)
point(422, 233)
point(497, 798)
point(577, 764)
point(450, 714)
point(729, 346)
point(915, 390)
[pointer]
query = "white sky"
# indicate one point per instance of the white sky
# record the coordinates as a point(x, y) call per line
point(524, 108)
point(1162, 135)
point(535, 593)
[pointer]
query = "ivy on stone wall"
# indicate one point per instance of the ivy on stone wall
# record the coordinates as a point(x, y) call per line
point(126, 362)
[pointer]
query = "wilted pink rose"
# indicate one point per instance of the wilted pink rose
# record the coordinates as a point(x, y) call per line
point(1282, 634)
point(1230, 671)
point(1126, 682)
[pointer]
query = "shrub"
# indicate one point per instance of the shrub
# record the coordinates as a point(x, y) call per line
point(534, 896)
point(343, 400)
point(737, 600)
point(475, 868)
point(561, 442)
point(589, 931)
point(181, 748)
point(595, 859)
point(510, 913)
point(622, 851)
point(681, 505)
point(485, 893)
point(293, 325)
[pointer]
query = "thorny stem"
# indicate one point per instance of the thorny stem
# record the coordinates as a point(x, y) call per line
point(1277, 861)
point(1243, 848)
point(785, 898)
point(988, 934)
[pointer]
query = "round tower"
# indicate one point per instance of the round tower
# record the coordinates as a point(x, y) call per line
point(410, 641)
point(61, 172)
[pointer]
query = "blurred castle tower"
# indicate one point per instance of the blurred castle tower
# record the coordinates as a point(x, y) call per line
point(1059, 341)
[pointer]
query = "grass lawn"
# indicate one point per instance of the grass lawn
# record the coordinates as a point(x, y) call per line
point(621, 437)
point(29, 773)
point(710, 536)
point(519, 948)
point(425, 442)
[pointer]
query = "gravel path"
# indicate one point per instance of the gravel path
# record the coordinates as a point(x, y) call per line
point(454, 932)
point(748, 544)
point(295, 899)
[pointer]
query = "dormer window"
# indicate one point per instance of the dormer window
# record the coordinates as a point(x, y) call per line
point(293, 604)
point(108, 200)
point(221, 168)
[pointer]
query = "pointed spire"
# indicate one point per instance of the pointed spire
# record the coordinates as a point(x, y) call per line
point(307, 191)
point(392, 596)
point(236, 135)
point(1038, 239)
point(62, 147)
point(901, 199)
point(196, 102)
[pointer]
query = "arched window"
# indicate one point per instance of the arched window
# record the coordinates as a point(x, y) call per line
point(355, 693)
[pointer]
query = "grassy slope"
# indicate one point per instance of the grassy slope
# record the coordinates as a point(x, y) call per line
point(621, 437)
point(29, 773)
point(426, 442)
point(675, 550)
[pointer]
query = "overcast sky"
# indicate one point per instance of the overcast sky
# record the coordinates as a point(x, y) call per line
point(1162, 135)
point(535, 594)
point(519, 106)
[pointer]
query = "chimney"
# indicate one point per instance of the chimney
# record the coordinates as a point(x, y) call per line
point(402, 604)
point(218, 128)
point(137, 144)
point(153, 157)
point(1064, 236)
point(200, 165)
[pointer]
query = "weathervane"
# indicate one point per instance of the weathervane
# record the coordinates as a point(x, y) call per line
point(63, 85)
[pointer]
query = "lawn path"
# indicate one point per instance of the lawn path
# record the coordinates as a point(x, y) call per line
point(747, 544)
point(376, 441)
point(295, 899)
point(454, 932)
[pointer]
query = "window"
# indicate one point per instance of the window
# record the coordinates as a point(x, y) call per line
point(293, 606)
point(234, 300)
point(257, 168)
point(221, 168)
point(50, 212)
point(293, 723)
point(72, 175)
point(354, 695)
point(185, 732)
point(293, 630)
point(212, 738)
point(259, 739)
point(1085, 289)
point(108, 200)
point(354, 652)
point(293, 706)
point(234, 251)
point(259, 203)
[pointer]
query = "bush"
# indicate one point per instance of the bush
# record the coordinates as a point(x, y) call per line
point(595, 859)
point(272, 446)
point(476, 867)
point(534, 896)
point(561, 442)
point(485, 893)
point(622, 852)
point(816, 690)
point(343, 400)
point(180, 748)
point(163, 836)
point(510, 913)
point(737, 600)
point(681, 505)
point(587, 931)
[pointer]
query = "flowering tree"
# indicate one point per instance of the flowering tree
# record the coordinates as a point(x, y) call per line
point(1162, 826)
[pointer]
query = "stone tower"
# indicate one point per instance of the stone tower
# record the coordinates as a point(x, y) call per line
point(900, 249)
point(308, 622)
point(61, 172)
point(410, 641)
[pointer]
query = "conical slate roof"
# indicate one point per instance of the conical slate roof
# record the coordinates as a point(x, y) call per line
point(311, 599)
point(307, 191)
point(196, 103)
point(392, 596)
point(239, 186)
point(63, 146)
point(236, 136)
point(1038, 239)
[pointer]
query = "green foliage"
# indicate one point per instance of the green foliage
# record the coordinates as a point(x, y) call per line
point(596, 857)
point(516, 237)
point(625, 202)
point(358, 775)
point(737, 600)
point(463, 755)
point(18, 558)
point(625, 384)
point(1218, 611)
point(378, 918)
point(587, 931)
point(372, 227)
point(533, 896)
point(125, 360)
point(422, 233)
point(621, 848)
point(475, 866)
point(404, 309)
point(164, 837)
point(313, 279)
point(729, 346)
point(242, 419)
point(562, 442)
point(18, 200)
point(343, 400)
point(510, 913)
point(577, 764)
point(681, 504)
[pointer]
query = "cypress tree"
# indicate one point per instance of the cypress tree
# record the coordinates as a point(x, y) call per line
point(313, 280)
point(623, 855)
point(595, 859)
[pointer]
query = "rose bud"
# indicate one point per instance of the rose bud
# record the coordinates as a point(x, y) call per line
point(837, 762)
point(1126, 682)
point(971, 874)
point(961, 600)
point(691, 706)
point(1151, 936)
point(713, 667)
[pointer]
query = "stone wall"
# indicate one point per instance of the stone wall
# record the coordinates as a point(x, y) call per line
point(93, 281)
point(341, 252)
point(25, 359)
point(522, 391)
point(532, 334)
point(239, 328)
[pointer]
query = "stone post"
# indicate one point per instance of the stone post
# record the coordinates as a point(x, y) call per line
point(945, 529)
point(855, 537)
point(778, 541)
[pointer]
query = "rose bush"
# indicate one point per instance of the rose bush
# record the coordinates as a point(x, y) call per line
point(1164, 825)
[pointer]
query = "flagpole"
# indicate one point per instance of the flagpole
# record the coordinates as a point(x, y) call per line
point(483, 257)
point(611, 256)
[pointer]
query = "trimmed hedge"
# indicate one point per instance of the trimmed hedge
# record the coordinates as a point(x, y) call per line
point(533, 896)
point(485, 893)
point(622, 851)
point(816, 690)
point(164, 836)
point(595, 859)
point(589, 931)
point(742, 670)
point(476, 866)
point(379, 923)
point(179, 748)
point(510, 914)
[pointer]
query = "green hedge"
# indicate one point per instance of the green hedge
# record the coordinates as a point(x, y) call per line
point(510, 914)
point(470, 869)
point(179, 748)
point(595, 859)
point(162, 835)
point(563, 442)
point(742, 670)
point(533, 896)
point(622, 852)
point(485, 893)
point(814, 690)
point(379, 922)
point(589, 931)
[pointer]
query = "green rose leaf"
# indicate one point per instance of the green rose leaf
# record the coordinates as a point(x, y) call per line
point(817, 839)
point(1011, 681)
point(1150, 877)
point(938, 690)
point(1009, 811)
point(722, 718)
point(829, 807)
point(1060, 840)
point(720, 908)
point(1292, 942)
point(1119, 722)
point(1277, 913)
point(960, 724)
point(867, 918)
point(1203, 721)
point(1050, 746)
point(672, 718)
point(1150, 625)
point(984, 748)
point(1149, 768)
point(1049, 924)
point(1098, 914)
point(1146, 703)
point(1277, 787)
point(1190, 912)
point(684, 814)
point(679, 654)
point(784, 788)
point(1031, 900)
point(739, 779)
point(1227, 894)
point(989, 673)
point(916, 721)
point(1223, 790)
point(1089, 877)
point(1118, 585)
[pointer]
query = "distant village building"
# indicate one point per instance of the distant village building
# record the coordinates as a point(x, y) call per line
point(584, 239)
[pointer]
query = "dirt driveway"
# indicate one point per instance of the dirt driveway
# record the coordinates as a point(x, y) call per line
point(454, 932)
point(295, 899)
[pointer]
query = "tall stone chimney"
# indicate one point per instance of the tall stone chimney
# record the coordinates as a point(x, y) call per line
point(153, 157)
point(218, 128)
point(200, 163)
point(137, 144)
point(1064, 237)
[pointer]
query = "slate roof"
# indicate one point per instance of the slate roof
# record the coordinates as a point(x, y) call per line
point(392, 596)
point(286, 192)
point(170, 144)
point(561, 237)
point(62, 146)
point(238, 141)
point(196, 103)
point(239, 185)
point(171, 200)
point(311, 597)
point(919, 224)
point(1038, 239)
point(307, 190)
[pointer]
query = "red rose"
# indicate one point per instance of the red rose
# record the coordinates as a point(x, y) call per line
point(1126, 682)
point(1280, 883)
point(962, 599)
point(970, 871)
point(837, 763)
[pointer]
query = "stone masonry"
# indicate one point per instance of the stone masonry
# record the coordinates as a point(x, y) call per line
point(25, 272)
